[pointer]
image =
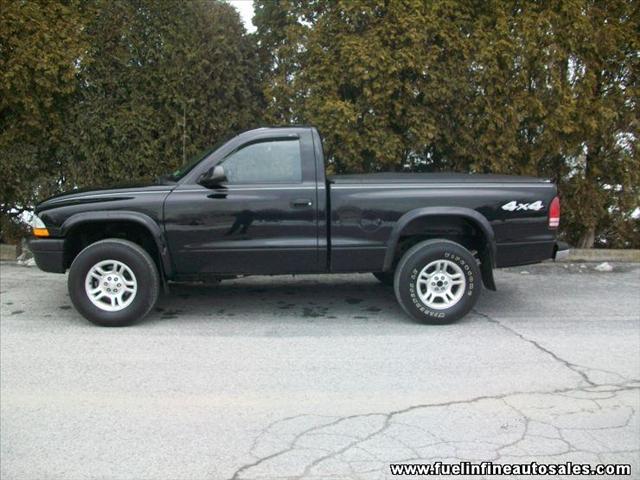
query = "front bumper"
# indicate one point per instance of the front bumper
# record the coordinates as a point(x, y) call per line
point(48, 254)
point(561, 251)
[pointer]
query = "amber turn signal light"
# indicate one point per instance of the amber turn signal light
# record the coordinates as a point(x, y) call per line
point(40, 232)
point(38, 228)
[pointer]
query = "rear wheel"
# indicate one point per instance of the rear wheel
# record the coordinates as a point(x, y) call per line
point(113, 282)
point(437, 281)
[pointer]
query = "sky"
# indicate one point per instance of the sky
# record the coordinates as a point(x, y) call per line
point(245, 7)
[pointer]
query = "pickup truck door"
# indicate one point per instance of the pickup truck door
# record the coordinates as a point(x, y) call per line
point(263, 219)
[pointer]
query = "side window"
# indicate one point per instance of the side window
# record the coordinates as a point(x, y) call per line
point(273, 161)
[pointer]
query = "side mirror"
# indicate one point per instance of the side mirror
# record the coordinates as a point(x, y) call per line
point(213, 177)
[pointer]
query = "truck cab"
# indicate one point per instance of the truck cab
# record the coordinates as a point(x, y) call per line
point(266, 213)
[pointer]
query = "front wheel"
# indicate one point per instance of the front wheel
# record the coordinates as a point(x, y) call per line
point(437, 281)
point(113, 282)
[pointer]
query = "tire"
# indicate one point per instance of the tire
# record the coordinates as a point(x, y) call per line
point(386, 278)
point(453, 285)
point(128, 270)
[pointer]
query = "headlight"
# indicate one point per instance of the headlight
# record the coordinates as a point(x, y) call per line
point(38, 228)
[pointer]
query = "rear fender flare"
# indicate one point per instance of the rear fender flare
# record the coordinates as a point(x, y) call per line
point(476, 218)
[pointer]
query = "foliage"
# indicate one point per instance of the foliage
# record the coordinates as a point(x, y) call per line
point(166, 80)
point(40, 42)
point(280, 33)
point(535, 88)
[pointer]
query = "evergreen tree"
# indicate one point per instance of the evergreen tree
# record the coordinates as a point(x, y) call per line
point(40, 44)
point(165, 81)
point(280, 39)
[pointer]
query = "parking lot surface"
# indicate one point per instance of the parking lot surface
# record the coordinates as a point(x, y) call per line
point(319, 377)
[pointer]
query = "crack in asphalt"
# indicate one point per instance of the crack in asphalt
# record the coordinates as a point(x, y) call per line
point(292, 445)
point(514, 448)
point(632, 385)
point(574, 367)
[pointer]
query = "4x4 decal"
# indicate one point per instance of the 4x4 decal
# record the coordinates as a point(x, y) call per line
point(514, 206)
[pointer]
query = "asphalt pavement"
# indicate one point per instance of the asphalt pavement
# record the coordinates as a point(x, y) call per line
point(319, 377)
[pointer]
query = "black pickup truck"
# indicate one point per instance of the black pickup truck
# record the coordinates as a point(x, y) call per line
point(261, 204)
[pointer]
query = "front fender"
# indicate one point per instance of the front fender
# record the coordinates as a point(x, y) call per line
point(124, 215)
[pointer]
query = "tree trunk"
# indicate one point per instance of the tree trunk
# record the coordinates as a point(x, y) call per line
point(588, 238)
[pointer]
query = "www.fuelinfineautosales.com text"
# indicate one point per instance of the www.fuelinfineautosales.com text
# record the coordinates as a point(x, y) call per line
point(488, 468)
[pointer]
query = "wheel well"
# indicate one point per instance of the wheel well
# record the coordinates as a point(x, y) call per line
point(82, 235)
point(450, 227)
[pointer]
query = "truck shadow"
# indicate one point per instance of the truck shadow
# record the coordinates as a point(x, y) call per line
point(280, 299)
point(305, 299)
point(324, 301)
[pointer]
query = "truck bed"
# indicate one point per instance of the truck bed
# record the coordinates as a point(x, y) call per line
point(366, 208)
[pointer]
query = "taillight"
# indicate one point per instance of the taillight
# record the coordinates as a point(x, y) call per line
point(554, 213)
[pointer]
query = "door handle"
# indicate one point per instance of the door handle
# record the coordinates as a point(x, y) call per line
point(301, 202)
point(222, 195)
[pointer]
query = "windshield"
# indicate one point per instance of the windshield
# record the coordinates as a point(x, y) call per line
point(195, 160)
point(188, 166)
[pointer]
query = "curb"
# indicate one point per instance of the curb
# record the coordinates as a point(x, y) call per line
point(602, 255)
point(8, 252)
